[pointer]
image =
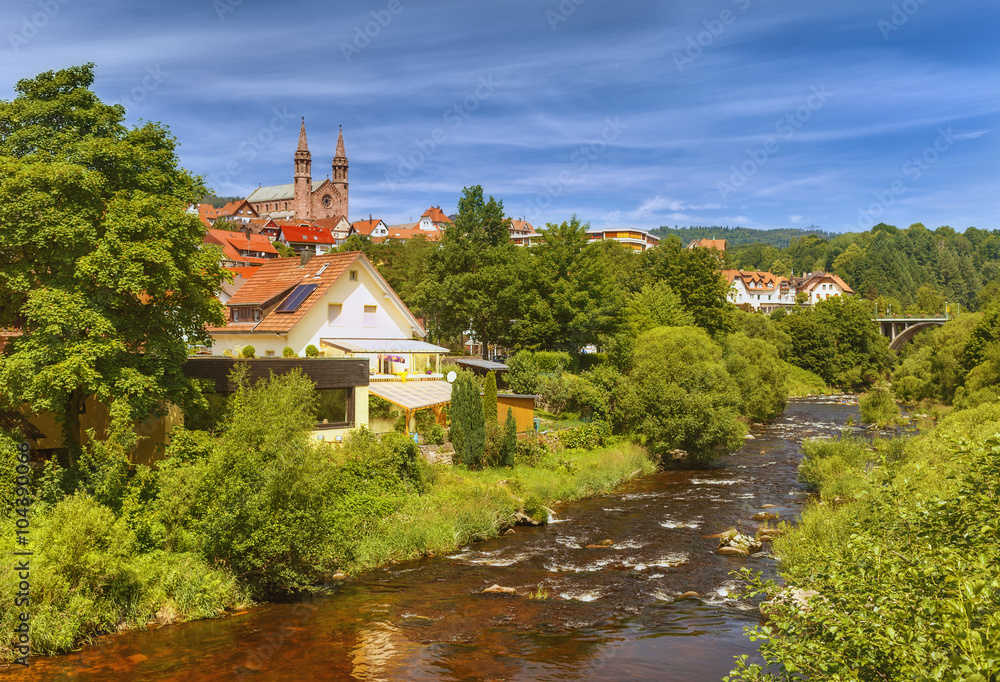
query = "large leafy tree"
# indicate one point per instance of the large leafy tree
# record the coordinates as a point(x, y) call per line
point(838, 340)
point(473, 284)
point(695, 276)
point(680, 396)
point(574, 295)
point(101, 268)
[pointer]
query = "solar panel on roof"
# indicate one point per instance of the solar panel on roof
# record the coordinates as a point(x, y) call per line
point(295, 299)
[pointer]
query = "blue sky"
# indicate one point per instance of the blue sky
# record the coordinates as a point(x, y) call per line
point(761, 113)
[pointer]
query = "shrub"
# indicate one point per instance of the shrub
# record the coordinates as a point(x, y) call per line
point(760, 375)
point(878, 407)
point(435, 435)
point(588, 437)
point(312, 351)
point(266, 488)
point(248, 352)
point(522, 373)
point(531, 449)
point(288, 352)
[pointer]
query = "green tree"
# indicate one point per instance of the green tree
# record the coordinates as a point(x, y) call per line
point(655, 305)
point(509, 438)
point(838, 340)
point(694, 275)
point(572, 296)
point(681, 397)
point(468, 422)
point(490, 398)
point(102, 268)
point(475, 277)
point(759, 374)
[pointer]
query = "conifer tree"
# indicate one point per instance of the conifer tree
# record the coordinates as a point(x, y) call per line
point(490, 399)
point(509, 439)
point(468, 432)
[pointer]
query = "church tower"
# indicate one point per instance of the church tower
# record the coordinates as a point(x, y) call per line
point(339, 177)
point(303, 177)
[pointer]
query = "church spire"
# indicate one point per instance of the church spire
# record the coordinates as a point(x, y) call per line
point(341, 154)
point(303, 143)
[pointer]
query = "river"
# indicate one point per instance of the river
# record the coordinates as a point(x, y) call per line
point(604, 613)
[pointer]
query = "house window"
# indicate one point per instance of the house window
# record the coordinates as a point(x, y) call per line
point(332, 406)
point(269, 354)
point(333, 312)
point(256, 314)
point(353, 276)
point(370, 311)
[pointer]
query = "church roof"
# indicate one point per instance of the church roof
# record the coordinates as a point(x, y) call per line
point(278, 192)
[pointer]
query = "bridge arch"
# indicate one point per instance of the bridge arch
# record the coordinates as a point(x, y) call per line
point(911, 330)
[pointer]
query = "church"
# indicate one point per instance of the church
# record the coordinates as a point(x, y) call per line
point(305, 198)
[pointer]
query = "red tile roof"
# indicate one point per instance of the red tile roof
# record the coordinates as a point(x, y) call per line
point(329, 223)
point(300, 234)
point(436, 214)
point(207, 214)
point(413, 232)
point(717, 244)
point(365, 227)
point(276, 279)
point(754, 279)
point(234, 242)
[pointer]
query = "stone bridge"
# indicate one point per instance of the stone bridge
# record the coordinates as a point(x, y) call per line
point(900, 330)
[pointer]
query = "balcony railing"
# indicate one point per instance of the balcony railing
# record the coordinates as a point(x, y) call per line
point(408, 377)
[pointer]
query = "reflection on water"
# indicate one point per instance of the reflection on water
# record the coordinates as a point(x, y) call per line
point(598, 594)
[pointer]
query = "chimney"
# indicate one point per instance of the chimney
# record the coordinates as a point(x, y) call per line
point(305, 257)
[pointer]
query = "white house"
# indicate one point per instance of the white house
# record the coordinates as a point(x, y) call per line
point(764, 291)
point(337, 302)
point(820, 286)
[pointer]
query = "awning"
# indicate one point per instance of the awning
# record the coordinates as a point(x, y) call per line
point(488, 365)
point(384, 346)
point(413, 395)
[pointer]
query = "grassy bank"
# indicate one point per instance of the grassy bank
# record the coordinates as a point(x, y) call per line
point(461, 506)
point(895, 572)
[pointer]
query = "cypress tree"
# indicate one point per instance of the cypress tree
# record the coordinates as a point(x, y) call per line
point(509, 439)
point(490, 399)
point(468, 432)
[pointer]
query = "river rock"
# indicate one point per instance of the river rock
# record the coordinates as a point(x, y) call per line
point(764, 516)
point(737, 541)
point(733, 551)
point(522, 519)
point(749, 436)
point(768, 506)
point(497, 589)
point(339, 575)
point(689, 595)
point(509, 531)
point(794, 596)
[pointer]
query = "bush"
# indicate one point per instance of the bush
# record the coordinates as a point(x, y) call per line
point(760, 375)
point(588, 437)
point(531, 449)
point(288, 352)
point(435, 435)
point(248, 352)
point(878, 407)
point(312, 351)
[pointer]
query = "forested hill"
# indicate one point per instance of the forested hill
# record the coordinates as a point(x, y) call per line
point(738, 236)
point(914, 269)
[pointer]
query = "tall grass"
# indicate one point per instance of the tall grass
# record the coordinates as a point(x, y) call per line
point(461, 506)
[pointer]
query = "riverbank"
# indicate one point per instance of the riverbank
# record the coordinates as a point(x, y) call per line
point(90, 576)
point(893, 573)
